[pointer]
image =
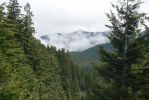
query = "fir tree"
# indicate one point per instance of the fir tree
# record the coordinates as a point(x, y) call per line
point(18, 74)
point(141, 71)
point(116, 65)
point(29, 70)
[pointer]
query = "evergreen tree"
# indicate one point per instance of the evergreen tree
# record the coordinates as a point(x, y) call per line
point(14, 10)
point(29, 70)
point(141, 71)
point(18, 74)
point(69, 73)
point(116, 65)
point(27, 40)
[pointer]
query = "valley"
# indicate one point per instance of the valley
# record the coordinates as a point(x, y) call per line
point(60, 54)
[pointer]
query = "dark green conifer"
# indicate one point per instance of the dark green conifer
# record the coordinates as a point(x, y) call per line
point(116, 65)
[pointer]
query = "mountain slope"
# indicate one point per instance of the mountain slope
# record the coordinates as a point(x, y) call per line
point(75, 41)
point(85, 58)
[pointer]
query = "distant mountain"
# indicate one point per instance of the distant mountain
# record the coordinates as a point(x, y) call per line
point(75, 41)
point(85, 58)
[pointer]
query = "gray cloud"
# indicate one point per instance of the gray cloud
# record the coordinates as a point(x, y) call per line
point(64, 16)
point(76, 41)
point(53, 16)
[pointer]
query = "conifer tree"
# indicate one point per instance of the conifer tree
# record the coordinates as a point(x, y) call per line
point(18, 74)
point(141, 71)
point(27, 40)
point(14, 10)
point(29, 70)
point(116, 65)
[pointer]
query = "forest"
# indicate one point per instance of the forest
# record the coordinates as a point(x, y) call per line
point(29, 70)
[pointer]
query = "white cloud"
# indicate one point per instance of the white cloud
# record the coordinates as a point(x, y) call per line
point(64, 16)
point(76, 41)
point(53, 16)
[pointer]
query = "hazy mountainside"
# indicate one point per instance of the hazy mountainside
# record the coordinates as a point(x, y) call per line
point(75, 41)
point(85, 58)
point(29, 70)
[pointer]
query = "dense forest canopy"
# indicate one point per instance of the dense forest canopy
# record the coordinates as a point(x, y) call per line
point(30, 70)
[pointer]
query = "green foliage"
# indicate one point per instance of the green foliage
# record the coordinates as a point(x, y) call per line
point(91, 55)
point(29, 70)
point(69, 74)
point(121, 67)
point(141, 71)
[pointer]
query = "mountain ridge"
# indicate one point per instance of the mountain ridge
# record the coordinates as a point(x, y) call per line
point(75, 41)
point(91, 55)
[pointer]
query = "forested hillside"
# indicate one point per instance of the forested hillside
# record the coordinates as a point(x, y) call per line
point(87, 57)
point(28, 69)
point(123, 73)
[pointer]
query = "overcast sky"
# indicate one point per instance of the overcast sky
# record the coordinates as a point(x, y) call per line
point(53, 16)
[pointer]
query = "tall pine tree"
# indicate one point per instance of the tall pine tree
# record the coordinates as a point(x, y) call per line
point(116, 65)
